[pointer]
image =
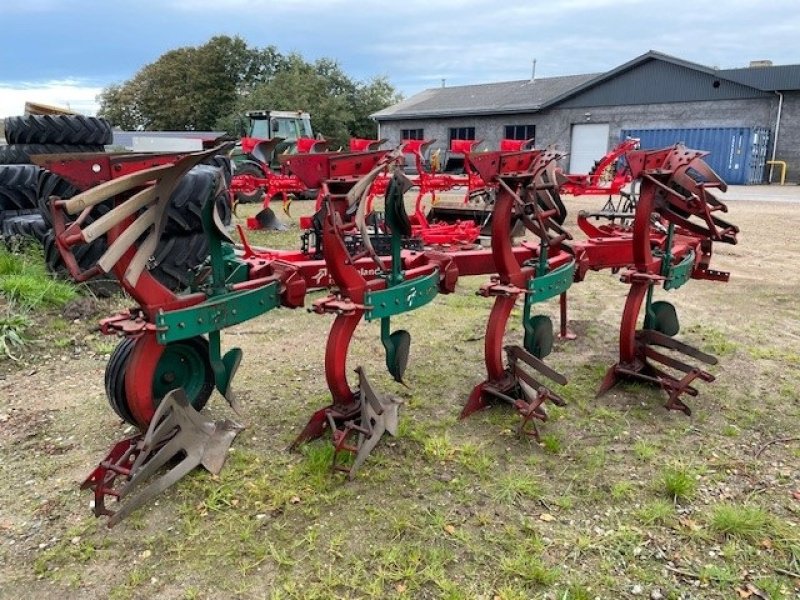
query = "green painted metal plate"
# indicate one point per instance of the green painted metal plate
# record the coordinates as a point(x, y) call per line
point(216, 313)
point(403, 297)
point(680, 273)
point(551, 284)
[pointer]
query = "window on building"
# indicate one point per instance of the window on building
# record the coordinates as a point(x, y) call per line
point(412, 134)
point(462, 133)
point(520, 132)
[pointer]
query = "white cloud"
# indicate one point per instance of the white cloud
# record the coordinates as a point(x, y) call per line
point(76, 95)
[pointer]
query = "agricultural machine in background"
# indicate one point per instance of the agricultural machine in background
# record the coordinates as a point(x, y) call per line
point(171, 358)
point(608, 177)
point(257, 175)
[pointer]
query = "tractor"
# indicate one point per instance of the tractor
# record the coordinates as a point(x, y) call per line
point(257, 174)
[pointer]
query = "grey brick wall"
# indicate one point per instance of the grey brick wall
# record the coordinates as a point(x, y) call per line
point(555, 126)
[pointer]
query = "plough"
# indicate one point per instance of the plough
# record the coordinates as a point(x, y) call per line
point(522, 189)
point(170, 359)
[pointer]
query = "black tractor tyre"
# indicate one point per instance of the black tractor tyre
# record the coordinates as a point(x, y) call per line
point(249, 168)
point(21, 229)
point(58, 129)
point(115, 380)
point(18, 187)
point(224, 164)
point(185, 211)
point(20, 154)
point(86, 256)
point(176, 257)
point(50, 184)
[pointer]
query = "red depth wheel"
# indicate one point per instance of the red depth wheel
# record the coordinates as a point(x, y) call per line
point(153, 370)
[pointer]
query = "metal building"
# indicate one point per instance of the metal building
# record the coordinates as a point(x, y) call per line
point(585, 115)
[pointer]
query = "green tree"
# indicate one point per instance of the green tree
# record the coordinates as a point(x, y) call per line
point(370, 98)
point(213, 85)
point(191, 87)
point(339, 106)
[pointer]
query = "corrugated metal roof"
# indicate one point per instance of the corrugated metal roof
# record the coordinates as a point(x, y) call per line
point(769, 79)
point(503, 97)
point(524, 96)
point(656, 81)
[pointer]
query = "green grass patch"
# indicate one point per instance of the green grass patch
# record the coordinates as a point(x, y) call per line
point(657, 512)
point(12, 333)
point(529, 568)
point(25, 281)
point(748, 522)
point(551, 443)
point(677, 482)
point(715, 341)
point(513, 488)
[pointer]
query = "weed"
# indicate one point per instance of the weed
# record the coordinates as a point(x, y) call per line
point(551, 443)
point(677, 482)
point(730, 431)
point(622, 490)
point(577, 591)
point(657, 512)
point(529, 568)
point(12, 330)
point(644, 451)
point(512, 488)
point(475, 459)
point(439, 447)
point(774, 588)
point(748, 522)
point(104, 346)
point(719, 574)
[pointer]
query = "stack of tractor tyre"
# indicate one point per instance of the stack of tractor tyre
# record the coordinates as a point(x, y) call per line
point(26, 189)
point(27, 136)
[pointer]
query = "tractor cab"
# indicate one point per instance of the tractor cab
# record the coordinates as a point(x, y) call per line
point(287, 124)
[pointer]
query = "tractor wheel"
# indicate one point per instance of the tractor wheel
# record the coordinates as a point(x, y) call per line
point(20, 154)
point(249, 168)
point(154, 370)
point(224, 164)
point(58, 129)
point(185, 211)
point(86, 257)
point(18, 187)
point(51, 184)
point(175, 258)
point(115, 380)
point(19, 230)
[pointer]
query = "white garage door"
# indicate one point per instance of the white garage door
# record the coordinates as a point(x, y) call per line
point(589, 144)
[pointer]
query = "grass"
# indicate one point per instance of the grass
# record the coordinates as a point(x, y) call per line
point(25, 281)
point(742, 521)
point(25, 287)
point(677, 482)
point(657, 512)
point(12, 333)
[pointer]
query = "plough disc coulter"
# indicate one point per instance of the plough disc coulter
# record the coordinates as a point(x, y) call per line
point(171, 358)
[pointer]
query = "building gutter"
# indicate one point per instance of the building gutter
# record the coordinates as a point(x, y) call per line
point(777, 131)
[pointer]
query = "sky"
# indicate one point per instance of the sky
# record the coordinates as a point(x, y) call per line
point(65, 52)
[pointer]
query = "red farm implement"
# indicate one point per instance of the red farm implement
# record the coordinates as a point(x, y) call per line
point(608, 177)
point(170, 358)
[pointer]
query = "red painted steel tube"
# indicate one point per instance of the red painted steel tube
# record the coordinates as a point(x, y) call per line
point(495, 331)
point(336, 351)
